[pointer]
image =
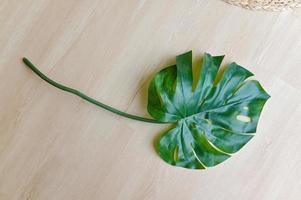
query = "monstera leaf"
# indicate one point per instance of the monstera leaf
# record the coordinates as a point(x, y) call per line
point(212, 120)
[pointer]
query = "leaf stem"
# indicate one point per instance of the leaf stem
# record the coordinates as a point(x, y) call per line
point(85, 97)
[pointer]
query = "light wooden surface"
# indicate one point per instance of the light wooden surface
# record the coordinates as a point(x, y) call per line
point(54, 146)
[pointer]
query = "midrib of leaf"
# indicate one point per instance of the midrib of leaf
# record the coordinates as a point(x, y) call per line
point(211, 110)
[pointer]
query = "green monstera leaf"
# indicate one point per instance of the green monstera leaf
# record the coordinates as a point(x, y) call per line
point(212, 120)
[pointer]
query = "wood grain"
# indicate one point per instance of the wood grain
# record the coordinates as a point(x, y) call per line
point(56, 146)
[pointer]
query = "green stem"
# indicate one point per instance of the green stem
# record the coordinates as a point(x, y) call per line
point(85, 97)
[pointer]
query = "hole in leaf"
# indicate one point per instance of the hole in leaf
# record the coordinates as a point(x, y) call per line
point(246, 108)
point(243, 118)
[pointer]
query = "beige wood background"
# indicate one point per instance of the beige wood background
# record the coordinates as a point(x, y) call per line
point(54, 146)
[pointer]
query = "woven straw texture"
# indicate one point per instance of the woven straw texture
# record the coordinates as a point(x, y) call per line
point(271, 5)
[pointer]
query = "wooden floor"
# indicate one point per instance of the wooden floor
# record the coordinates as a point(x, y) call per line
point(54, 146)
